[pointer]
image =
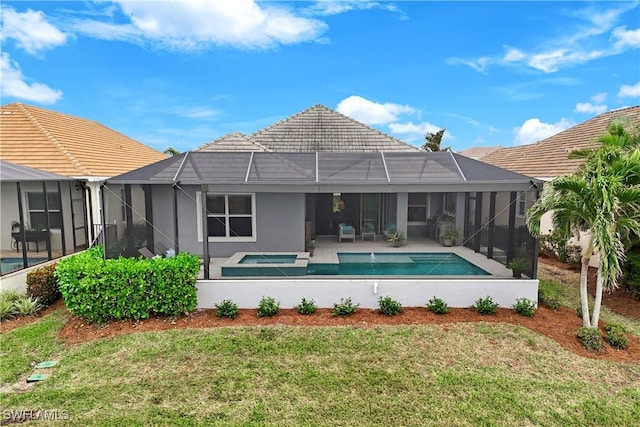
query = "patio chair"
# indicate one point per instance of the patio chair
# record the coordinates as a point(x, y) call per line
point(16, 238)
point(147, 253)
point(346, 231)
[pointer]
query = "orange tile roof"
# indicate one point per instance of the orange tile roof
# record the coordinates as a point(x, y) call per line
point(549, 158)
point(68, 145)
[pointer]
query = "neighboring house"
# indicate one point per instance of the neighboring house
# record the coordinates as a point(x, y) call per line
point(52, 204)
point(302, 177)
point(548, 159)
point(73, 147)
point(478, 153)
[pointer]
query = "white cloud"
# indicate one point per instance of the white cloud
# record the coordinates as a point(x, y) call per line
point(30, 30)
point(590, 38)
point(589, 108)
point(13, 84)
point(629, 91)
point(626, 38)
point(534, 130)
point(493, 129)
point(333, 7)
point(599, 98)
point(199, 24)
point(372, 113)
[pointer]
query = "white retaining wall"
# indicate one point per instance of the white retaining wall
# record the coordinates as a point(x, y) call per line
point(409, 292)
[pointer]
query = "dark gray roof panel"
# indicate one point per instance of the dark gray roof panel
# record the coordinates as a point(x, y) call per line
point(351, 167)
point(422, 167)
point(11, 172)
point(203, 167)
point(475, 170)
point(283, 167)
point(332, 168)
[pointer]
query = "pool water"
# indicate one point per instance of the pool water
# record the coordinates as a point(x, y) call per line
point(268, 259)
point(398, 264)
point(8, 265)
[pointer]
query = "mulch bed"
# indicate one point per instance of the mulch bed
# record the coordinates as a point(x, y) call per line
point(559, 325)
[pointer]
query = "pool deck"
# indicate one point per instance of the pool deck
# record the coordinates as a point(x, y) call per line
point(327, 249)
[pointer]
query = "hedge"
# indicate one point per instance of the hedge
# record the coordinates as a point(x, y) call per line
point(127, 288)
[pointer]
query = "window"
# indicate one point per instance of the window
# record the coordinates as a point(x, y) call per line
point(449, 205)
point(123, 205)
point(230, 217)
point(522, 204)
point(417, 207)
point(37, 215)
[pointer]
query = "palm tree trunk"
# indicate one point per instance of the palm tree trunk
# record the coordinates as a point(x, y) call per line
point(584, 297)
point(598, 302)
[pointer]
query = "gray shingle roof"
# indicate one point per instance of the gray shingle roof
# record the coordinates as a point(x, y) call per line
point(232, 142)
point(316, 129)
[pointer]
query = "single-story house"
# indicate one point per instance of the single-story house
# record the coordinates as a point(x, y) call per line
point(42, 217)
point(217, 203)
point(74, 147)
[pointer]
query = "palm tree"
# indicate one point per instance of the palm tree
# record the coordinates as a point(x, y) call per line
point(602, 197)
point(170, 151)
point(433, 141)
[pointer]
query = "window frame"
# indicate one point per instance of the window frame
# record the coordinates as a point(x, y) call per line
point(227, 238)
point(521, 208)
point(424, 207)
point(29, 209)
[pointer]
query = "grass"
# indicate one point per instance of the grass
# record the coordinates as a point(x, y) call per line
point(472, 374)
point(31, 343)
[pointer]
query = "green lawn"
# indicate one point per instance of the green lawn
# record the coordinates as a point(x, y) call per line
point(453, 375)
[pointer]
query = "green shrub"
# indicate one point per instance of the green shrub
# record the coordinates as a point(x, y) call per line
point(268, 306)
point(438, 306)
point(590, 338)
point(227, 308)
point(10, 295)
point(127, 288)
point(344, 308)
point(306, 306)
point(616, 336)
point(42, 284)
point(485, 305)
point(389, 306)
point(7, 309)
point(26, 306)
point(550, 293)
point(525, 307)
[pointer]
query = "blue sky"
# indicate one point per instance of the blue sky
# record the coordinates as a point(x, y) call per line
point(183, 73)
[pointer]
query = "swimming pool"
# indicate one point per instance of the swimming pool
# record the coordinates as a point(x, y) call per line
point(398, 264)
point(8, 265)
point(269, 259)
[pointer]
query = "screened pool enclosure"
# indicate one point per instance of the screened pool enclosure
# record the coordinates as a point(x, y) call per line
point(215, 204)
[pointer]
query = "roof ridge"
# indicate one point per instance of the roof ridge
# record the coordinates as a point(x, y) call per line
point(53, 139)
point(253, 135)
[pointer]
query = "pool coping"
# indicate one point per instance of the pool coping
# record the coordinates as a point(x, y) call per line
point(233, 262)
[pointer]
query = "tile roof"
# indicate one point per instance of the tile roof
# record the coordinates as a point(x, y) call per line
point(549, 158)
point(316, 129)
point(68, 145)
point(479, 152)
point(232, 142)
